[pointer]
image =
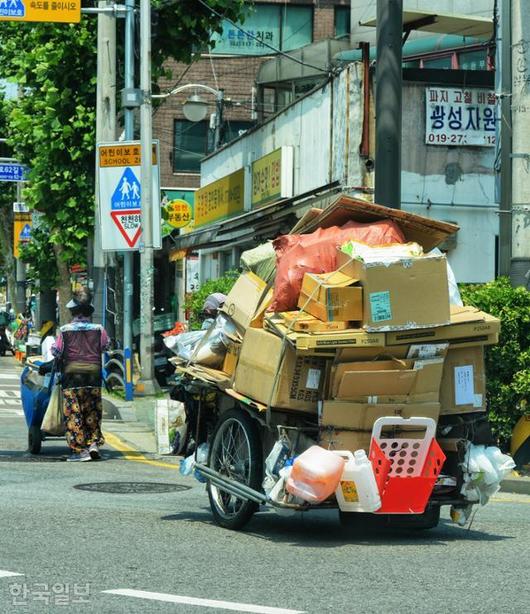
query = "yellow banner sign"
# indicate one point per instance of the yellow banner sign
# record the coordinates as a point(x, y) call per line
point(58, 11)
point(121, 155)
point(179, 213)
point(267, 178)
point(21, 231)
point(220, 199)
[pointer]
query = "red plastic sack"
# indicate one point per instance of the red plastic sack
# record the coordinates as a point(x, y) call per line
point(317, 253)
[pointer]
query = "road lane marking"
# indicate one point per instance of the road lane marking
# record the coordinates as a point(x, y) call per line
point(8, 574)
point(131, 454)
point(205, 603)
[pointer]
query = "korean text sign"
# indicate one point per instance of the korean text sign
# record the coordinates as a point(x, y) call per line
point(220, 199)
point(460, 117)
point(58, 11)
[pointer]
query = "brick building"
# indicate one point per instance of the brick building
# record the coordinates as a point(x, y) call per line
point(232, 65)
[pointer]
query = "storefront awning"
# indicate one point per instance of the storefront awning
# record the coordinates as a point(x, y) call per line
point(254, 226)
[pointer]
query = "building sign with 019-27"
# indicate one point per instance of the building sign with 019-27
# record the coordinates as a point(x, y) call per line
point(460, 116)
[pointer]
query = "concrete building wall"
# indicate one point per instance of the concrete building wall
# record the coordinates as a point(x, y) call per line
point(362, 11)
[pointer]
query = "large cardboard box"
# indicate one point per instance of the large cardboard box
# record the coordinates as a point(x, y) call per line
point(380, 381)
point(463, 387)
point(406, 294)
point(269, 370)
point(468, 325)
point(331, 297)
point(243, 300)
point(361, 416)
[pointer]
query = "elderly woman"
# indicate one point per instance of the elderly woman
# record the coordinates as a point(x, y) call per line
point(78, 348)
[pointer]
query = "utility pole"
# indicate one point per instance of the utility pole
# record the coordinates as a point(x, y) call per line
point(20, 293)
point(105, 131)
point(128, 256)
point(503, 82)
point(520, 103)
point(388, 92)
point(148, 385)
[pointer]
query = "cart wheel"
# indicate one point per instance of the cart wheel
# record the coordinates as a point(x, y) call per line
point(34, 439)
point(236, 453)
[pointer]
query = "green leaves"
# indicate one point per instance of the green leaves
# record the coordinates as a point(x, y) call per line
point(508, 363)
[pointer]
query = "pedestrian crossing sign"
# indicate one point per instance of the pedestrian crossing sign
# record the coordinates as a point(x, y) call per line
point(59, 11)
point(120, 196)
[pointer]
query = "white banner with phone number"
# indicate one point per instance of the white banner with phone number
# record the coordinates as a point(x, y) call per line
point(460, 117)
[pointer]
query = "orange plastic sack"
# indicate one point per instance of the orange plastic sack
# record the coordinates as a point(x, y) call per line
point(317, 253)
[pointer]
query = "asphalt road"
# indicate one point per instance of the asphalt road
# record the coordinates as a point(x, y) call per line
point(70, 546)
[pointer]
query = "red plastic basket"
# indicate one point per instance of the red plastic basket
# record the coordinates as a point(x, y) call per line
point(403, 486)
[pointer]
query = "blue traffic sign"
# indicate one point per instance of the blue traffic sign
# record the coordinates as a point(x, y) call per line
point(12, 171)
point(25, 233)
point(12, 8)
point(128, 193)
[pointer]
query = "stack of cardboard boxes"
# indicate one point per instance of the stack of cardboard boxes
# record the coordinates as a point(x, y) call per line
point(370, 340)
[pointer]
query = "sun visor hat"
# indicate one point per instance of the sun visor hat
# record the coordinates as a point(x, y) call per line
point(72, 304)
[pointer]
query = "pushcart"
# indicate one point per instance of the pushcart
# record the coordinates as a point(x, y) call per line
point(241, 433)
point(35, 392)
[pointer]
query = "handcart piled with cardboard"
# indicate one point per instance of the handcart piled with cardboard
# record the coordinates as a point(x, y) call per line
point(343, 372)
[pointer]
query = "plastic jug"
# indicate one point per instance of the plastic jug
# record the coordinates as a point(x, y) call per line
point(357, 489)
point(315, 474)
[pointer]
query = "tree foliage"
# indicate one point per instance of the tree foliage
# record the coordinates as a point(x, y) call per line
point(508, 363)
point(51, 127)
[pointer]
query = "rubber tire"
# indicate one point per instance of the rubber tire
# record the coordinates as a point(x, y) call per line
point(248, 508)
point(34, 439)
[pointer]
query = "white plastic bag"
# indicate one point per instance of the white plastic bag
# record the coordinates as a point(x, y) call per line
point(454, 292)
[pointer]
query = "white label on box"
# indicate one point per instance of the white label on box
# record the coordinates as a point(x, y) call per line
point(477, 402)
point(313, 379)
point(464, 388)
point(380, 306)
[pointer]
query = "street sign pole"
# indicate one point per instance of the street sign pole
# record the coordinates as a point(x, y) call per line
point(148, 384)
point(128, 256)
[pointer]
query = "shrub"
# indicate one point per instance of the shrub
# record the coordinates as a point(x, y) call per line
point(508, 363)
point(195, 301)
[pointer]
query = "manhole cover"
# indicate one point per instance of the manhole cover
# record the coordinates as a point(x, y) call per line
point(127, 488)
point(28, 458)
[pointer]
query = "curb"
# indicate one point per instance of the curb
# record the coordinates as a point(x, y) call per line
point(516, 485)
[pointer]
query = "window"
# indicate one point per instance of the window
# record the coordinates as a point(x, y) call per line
point(193, 140)
point(233, 129)
point(284, 27)
point(342, 21)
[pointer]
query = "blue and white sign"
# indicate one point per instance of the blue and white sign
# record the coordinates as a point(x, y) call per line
point(12, 8)
point(127, 194)
point(120, 196)
point(25, 234)
point(12, 171)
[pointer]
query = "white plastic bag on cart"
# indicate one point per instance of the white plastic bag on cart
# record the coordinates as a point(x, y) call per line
point(484, 468)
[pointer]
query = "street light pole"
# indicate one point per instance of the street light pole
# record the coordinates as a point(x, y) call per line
point(388, 111)
point(128, 256)
point(147, 384)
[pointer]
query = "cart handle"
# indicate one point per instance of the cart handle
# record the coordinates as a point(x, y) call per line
point(428, 423)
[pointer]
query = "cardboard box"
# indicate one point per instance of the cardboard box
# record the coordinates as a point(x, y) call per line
point(231, 358)
point(361, 416)
point(410, 293)
point(300, 379)
point(301, 321)
point(379, 381)
point(331, 297)
point(244, 299)
point(467, 325)
point(333, 439)
point(463, 388)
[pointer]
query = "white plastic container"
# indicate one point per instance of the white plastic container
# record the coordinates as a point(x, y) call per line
point(357, 490)
point(315, 474)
